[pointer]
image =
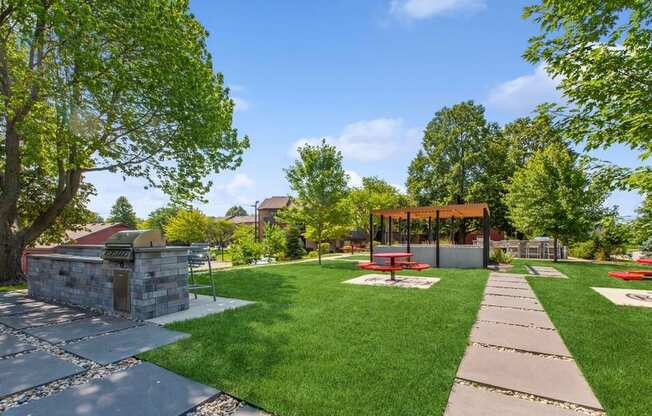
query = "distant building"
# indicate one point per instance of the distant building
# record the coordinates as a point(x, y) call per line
point(268, 209)
point(242, 220)
point(91, 234)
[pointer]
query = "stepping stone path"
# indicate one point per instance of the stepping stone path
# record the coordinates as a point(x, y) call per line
point(546, 271)
point(517, 364)
point(53, 361)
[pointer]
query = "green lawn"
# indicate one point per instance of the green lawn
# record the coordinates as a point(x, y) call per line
point(612, 344)
point(13, 287)
point(314, 346)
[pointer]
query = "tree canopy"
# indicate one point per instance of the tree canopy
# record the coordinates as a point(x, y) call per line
point(553, 195)
point(236, 211)
point(123, 212)
point(601, 53)
point(125, 86)
point(320, 183)
point(187, 226)
point(374, 193)
point(160, 217)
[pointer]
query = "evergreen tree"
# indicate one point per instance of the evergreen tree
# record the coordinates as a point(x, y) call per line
point(123, 212)
point(293, 244)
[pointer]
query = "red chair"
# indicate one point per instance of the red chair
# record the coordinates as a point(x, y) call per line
point(626, 275)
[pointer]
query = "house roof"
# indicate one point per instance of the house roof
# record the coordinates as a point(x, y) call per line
point(243, 219)
point(275, 202)
point(88, 230)
point(474, 210)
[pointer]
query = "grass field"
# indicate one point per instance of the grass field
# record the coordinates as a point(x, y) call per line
point(611, 343)
point(13, 287)
point(312, 345)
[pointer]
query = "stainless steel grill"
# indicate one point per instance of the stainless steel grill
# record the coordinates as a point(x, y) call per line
point(120, 246)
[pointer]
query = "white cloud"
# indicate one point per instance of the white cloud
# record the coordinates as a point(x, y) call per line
point(522, 94)
point(369, 140)
point(241, 104)
point(423, 9)
point(355, 179)
point(239, 183)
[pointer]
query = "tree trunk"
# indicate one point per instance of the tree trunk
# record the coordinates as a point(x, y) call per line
point(11, 251)
point(319, 251)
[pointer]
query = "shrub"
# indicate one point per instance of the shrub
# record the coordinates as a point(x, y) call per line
point(501, 257)
point(274, 241)
point(325, 248)
point(293, 245)
point(646, 247)
point(584, 250)
point(245, 249)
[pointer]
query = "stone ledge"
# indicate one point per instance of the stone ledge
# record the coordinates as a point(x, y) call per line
point(67, 257)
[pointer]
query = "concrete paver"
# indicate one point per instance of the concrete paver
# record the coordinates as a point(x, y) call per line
point(200, 307)
point(542, 341)
point(119, 345)
point(41, 318)
point(546, 271)
point(507, 280)
point(11, 344)
point(538, 319)
point(469, 401)
point(510, 302)
point(80, 328)
point(32, 370)
point(504, 291)
point(548, 378)
point(143, 390)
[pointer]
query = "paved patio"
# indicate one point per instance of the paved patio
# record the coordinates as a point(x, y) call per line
point(517, 364)
point(42, 346)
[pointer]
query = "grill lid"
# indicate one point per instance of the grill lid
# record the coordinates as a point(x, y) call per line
point(136, 239)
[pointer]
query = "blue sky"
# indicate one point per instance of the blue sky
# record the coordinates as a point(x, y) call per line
point(367, 75)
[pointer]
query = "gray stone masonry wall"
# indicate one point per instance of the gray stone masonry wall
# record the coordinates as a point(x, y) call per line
point(158, 280)
point(81, 250)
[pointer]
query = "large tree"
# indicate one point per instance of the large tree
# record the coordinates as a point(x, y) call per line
point(601, 53)
point(553, 195)
point(160, 217)
point(125, 86)
point(374, 193)
point(460, 162)
point(123, 212)
point(319, 181)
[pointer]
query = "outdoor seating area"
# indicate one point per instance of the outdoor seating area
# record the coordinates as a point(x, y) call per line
point(384, 222)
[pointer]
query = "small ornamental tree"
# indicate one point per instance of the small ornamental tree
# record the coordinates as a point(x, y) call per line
point(219, 231)
point(188, 226)
point(160, 217)
point(245, 249)
point(123, 212)
point(319, 181)
point(273, 241)
point(552, 195)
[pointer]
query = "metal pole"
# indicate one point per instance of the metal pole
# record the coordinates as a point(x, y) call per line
point(371, 237)
point(390, 231)
point(408, 232)
point(485, 238)
point(429, 229)
point(382, 229)
point(437, 238)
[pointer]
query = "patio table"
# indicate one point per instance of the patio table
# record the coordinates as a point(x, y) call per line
point(392, 266)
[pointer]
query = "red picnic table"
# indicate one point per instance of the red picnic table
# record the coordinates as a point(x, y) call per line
point(393, 266)
point(644, 261)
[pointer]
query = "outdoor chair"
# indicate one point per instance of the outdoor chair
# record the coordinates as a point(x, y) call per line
point(199, 256)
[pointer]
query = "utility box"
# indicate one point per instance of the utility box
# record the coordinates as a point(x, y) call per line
point(121, 301)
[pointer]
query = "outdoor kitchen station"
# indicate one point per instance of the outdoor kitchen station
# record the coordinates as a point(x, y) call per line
point(134, 273)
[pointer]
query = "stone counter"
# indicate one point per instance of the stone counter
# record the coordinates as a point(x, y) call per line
point(157, 280)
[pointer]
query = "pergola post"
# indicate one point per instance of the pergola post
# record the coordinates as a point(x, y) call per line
point(408, 232)
point(429, 229)
point(390, 230)
point(485, 237)
point(371, 237)
point(382, 229)
point(437, 238)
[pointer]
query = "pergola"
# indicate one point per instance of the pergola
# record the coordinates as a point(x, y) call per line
point(436, 213)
